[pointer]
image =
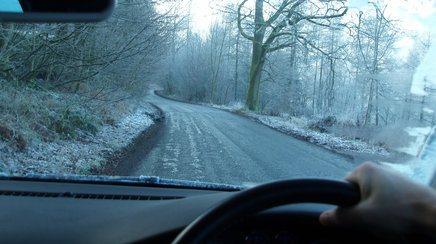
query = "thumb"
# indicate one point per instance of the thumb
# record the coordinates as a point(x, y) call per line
point(339, 216)
point(328, 218)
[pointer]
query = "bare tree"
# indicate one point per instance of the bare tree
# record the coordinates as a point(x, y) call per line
point(375, 41)
point(272, 34)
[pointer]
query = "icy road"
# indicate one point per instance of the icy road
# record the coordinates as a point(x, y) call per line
point(205, 144)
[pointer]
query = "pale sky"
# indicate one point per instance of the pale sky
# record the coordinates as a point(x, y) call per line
point(202, 16)
point(10, 6)
point(417, 17)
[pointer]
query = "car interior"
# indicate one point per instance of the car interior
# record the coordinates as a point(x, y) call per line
point(73, 209)
point(76, 211)
point(48, 210)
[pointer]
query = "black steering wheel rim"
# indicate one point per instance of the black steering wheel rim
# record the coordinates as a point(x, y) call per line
point(266, 196)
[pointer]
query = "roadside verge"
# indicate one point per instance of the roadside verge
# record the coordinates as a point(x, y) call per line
point(126, 159)
point(87, 153)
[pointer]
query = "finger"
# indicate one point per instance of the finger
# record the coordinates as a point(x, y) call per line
point(358, 173)
point(328, 218)
point(354, 176)
point(340, 217)
point(362, 176)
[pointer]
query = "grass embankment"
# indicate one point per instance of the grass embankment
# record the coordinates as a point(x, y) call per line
point(52, 132)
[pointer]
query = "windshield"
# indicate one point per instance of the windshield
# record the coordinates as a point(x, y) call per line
point(235, 92)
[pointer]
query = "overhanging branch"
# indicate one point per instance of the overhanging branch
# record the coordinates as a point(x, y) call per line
point(241, 30)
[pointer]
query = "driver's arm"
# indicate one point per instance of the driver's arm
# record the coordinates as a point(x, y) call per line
point(390, 203)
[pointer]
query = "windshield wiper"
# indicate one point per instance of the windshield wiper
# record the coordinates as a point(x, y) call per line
point(149, 181)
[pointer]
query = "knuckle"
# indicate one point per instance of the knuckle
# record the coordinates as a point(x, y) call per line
point(367, 167)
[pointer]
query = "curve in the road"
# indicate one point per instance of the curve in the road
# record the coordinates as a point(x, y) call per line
point(206, 144)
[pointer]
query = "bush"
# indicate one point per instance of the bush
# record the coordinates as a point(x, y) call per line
point(274, 113)
point(43, 114)
point(322, 124)
point(15, 137)
point(70, 121)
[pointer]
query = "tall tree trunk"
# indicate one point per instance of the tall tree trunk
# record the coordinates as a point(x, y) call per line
point(314, 89)
point(376, 103)
point(369, 106)
point(216, 61)
point(320, 86)
point(257, 64)
point(331, 94)
point(170, 80)
point(257, 60)
point(375, 63)
point(237, 66)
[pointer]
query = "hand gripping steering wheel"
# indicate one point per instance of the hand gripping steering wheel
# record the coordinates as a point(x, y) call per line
point(266, 196)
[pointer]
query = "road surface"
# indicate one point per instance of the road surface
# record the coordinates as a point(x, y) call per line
point(205, 144)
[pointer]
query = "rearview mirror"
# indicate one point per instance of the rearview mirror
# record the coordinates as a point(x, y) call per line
point(55, 10)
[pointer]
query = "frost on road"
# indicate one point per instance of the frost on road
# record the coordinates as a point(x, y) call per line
point(205, 144)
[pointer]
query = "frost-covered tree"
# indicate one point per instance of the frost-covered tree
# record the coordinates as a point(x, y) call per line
point(273, 27)
point(376, 33)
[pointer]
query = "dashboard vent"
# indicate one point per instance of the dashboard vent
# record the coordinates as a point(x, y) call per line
point(86, 195)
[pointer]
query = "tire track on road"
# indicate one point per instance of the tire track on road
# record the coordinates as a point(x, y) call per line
point(205, 144)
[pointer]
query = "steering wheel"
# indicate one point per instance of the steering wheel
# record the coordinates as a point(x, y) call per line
point(266, 196)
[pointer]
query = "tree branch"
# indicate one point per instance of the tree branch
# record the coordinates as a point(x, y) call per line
point(241, 30)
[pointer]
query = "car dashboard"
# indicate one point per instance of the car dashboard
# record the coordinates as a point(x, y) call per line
point(35, 211)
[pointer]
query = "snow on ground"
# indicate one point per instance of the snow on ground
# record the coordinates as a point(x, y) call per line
point(232, 107)
point(299, 128)
point(325, 140)
point(84, 155)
